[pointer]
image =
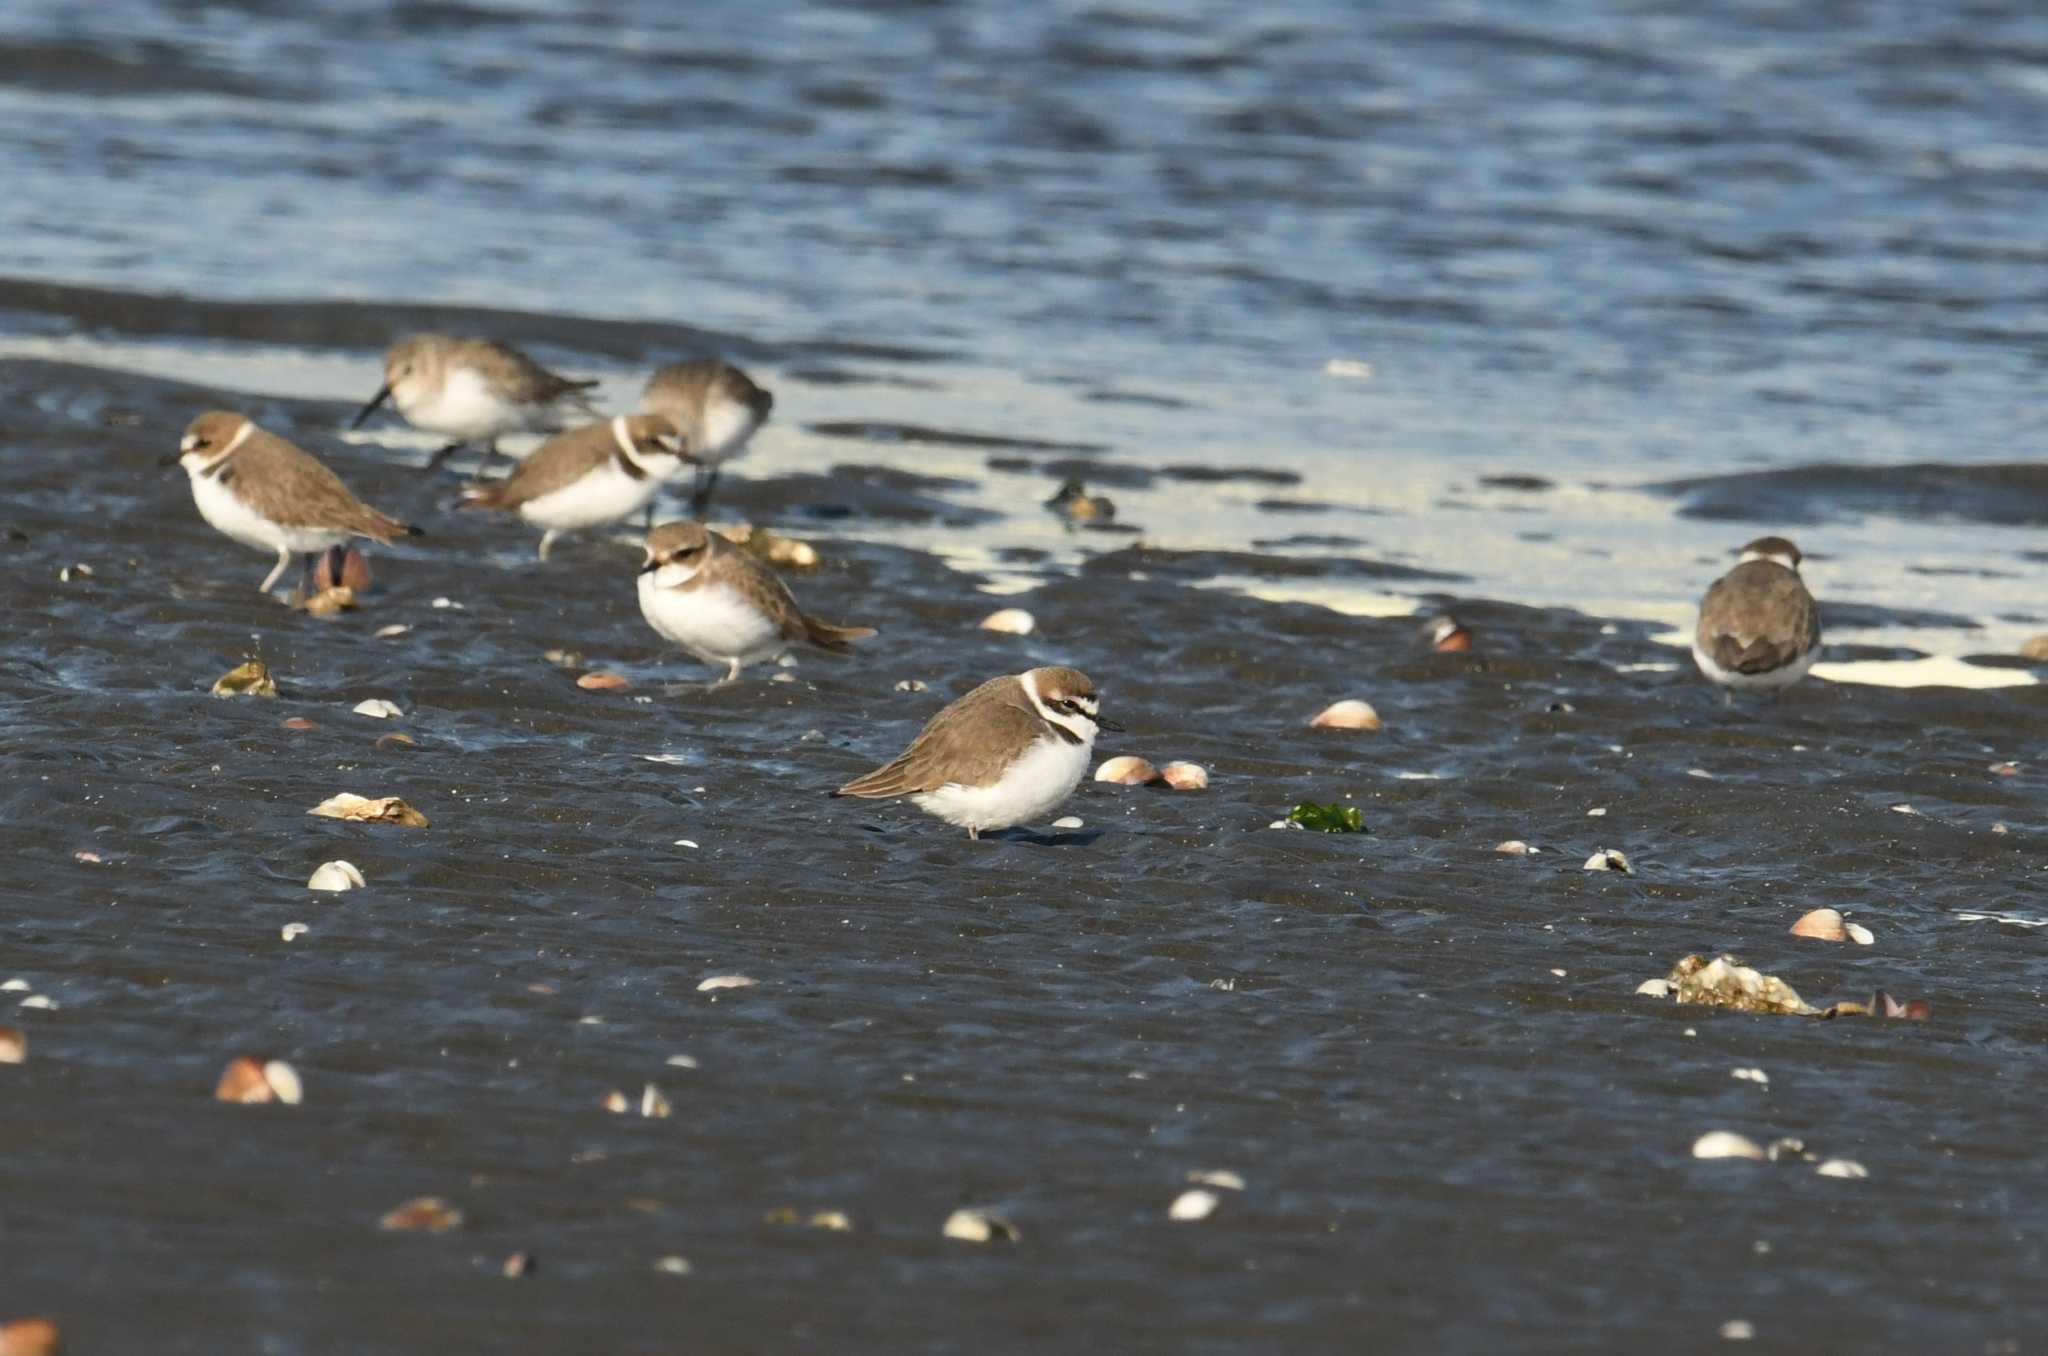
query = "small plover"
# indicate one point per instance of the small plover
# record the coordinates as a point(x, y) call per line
point(1076, 505)
point(723, 606)
point(474, 391)
point(1007, 752)
point(716, 407)
point(267, 493)
point(1759, 628)
point(588, 477)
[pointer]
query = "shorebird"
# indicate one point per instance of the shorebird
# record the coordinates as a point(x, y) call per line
point(716, 407)
point(473, 392)
point(1759, 628)
point(1006, 753)
point(588, 477)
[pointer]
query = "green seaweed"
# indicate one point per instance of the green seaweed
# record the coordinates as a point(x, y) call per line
point(1328, 818)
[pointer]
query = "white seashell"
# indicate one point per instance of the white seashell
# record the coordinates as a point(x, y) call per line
point(1738, 1330)
point(1349, 714)
point(16, 986)
point(978, 1226)
point(1609, 859)
point(1012, 621)
point(1217, 1177)
point(1727, 1144)
point(717, 982)
point(293, 931)
point(911, 685)
point(1842, 1167)
point(1193, 1205)
point(1822, 925)
point(1126, 770)
point(445, 603)
point(1514, 847)
point(395, 629)
point(284, 1082)
point(1756, 1076)
point(1596, 812)
point(681, 1061)
point(1655, 988)
point(1185, 776)
point(377, 708)
point(40, 1000)
point(672, 1265)
point(1068, 822)
point(1859, 934)
point(336, 876)
point(653, 1104)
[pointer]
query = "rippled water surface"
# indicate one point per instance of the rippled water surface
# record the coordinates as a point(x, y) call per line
point(1532, 312)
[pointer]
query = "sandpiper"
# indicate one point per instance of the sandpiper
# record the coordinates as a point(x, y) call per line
point(588, 477)
point(1759, 628)
point(716, 407)
point(474, 391)
point(267, 493)
point(723, 606)
point(1007, 752)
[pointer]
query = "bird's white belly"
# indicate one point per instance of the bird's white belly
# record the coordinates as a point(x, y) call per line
point(713, 623)
point(1754, 682)
point(227, 512)
point(1036, 783)
point(464, 406)
point(727, 426)
point(602, 496)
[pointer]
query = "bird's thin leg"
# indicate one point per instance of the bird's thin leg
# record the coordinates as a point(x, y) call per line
point(547, 540)
point(732, 674)
point(701, 492)
point(284, 561)
point(1727, 696)
point(306, 575)
point(434, 462)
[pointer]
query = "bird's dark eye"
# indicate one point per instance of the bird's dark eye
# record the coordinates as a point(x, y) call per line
point(198, 443)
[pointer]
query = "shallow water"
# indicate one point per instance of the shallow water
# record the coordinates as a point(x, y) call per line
point(1634, 283)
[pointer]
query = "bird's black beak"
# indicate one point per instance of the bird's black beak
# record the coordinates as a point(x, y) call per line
point(1105, 723)
point(651, 566)
point(383, 394)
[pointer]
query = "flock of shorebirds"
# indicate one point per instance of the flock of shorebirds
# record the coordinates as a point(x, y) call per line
point(1004, 754)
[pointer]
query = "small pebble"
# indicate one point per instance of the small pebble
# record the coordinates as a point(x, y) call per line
point(1011, 621)
point(1193, 1205)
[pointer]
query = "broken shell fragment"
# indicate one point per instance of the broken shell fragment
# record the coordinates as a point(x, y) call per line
point(1727, 1144)
point(616, 1103)
point(1069, 822)
point(1447, 635)
point(422, 1214)
point(391, 631)
point(602, 681)
point(1349, 714)
point(1011, 621)
point(1217, 1177)
point(717, 982)
point(1842, 1167)
point(30, 1337)
point(293, 931)
point(246, 680)
point(1514, 847)
point(377, 708)
point(834, 1221)
point(1126, 770)
point(299, 723)
point(1822, 925)
point(1725, 982)
point(1859, 934)
point(1654, 988)
point(247, 1082)
point(1193, 1205)
point(979, 1226)
point(336, 876)
point(1610, 859)
point(382, 810)
point(520, 1263)
point(395, 740)
point(653, 1105)
point(331, 602)
point(1185, 776)
point(13, 1045)
point(672, 1265)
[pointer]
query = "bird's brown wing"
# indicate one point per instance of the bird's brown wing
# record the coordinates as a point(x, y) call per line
point(970, 743)
point(293, 488)
point(1756, 618)
point(557, 463)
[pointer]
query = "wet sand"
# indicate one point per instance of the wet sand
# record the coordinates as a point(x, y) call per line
point(1446, 1145)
